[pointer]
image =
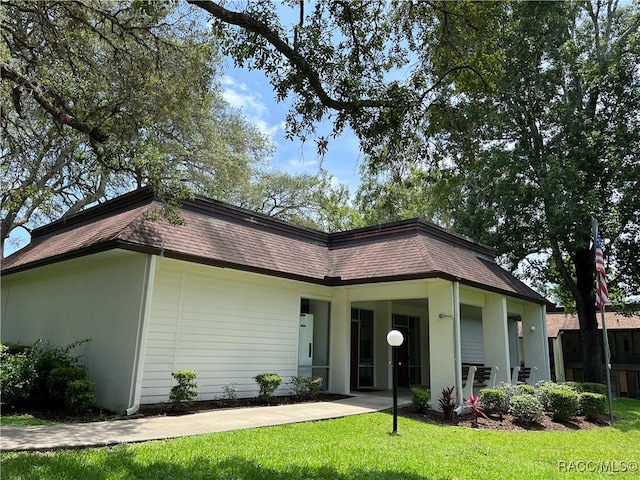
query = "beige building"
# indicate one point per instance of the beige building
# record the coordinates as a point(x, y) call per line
point(232, 294)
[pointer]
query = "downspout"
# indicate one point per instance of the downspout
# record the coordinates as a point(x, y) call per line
point(141, 340)
point(457, 350)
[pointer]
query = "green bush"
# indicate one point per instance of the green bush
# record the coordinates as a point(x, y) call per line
point(268, 383)
point(509, 392)
point(17, 378)
point(59, 379)
point(45, 358)
point(563, 403)
point(575, 386)
point(79, 396)
point(593, 387)
point(186, 391)
point(544, 387)
point(524, 389)
point(592, 404)
point(305, 387)
point(420, 399)
point(494, 400)
point(526, 409)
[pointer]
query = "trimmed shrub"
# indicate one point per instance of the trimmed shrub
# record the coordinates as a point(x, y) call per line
point(509, 391)
point(305, 387)
point(59, 379)
point(592, 404)
point(267, 383)
point(186, 391)
point(79, 396)
point(420, 399)
point(575, 386)
point(526, 409)
point(494, 400)
point(563, 403)
point(593, 387)
point(17, 378)
point(543, 388)
point(524, 389)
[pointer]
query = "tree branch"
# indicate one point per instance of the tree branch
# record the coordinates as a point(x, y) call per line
point(39, 93)
point(298, 61)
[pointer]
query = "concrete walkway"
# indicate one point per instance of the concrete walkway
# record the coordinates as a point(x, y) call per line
point(50, 437)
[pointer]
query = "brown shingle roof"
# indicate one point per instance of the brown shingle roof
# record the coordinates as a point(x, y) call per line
point(561, 321)
point(218, 234)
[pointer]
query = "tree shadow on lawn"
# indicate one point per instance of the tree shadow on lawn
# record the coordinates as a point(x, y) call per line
point(122, 462)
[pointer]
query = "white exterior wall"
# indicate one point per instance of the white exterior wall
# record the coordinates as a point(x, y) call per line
point(229, 326)
point(98, 297)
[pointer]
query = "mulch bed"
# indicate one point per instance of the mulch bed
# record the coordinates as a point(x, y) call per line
point(503, 424)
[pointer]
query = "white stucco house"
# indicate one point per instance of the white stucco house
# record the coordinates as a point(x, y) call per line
point(232, 294)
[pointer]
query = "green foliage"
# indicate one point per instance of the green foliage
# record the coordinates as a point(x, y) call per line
point(230, 392)
point(575, 386)
point(524, 389)
point(47, 357)
point(59, 379)
point(79, 395)
point(312, 201)
point(544, 387)
point(420, 399)
point(563, 403)
point(494, 400)
point(447, 402)
point(591, 387)
point(267, 383)
point(186, 390)
point(526, 409)
point(509, 391)
point(305, 387)
point(592, 404)
point(17, 378)
point(124, 99)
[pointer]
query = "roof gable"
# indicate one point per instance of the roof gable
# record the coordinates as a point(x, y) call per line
point(219, 234)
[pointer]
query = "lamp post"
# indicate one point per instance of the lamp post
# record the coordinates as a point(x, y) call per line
point(395, 339)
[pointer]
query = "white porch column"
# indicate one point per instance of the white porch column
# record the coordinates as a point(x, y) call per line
point(534, 341)
point(558, 358)
point(382, 326)
point(441, 339)
point(340, 342)
point(495, 333)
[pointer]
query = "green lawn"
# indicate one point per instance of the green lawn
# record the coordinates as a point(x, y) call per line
point(22, 420)
point(355, 447)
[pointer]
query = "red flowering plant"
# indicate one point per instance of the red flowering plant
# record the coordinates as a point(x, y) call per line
point(475, 409)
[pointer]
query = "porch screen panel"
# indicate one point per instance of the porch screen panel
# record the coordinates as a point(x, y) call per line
point(471, 341)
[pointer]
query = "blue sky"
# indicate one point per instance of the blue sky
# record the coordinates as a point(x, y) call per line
point(251, 92)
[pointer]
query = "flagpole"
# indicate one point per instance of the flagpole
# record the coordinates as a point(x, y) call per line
point(605, 337)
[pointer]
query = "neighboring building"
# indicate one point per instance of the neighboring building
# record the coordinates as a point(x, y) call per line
point(624, 344)
point(231, 294)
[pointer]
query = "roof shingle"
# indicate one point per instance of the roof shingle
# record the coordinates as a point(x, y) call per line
point(218, 234)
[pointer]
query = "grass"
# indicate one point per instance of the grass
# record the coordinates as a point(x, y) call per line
point(23, 420)
point(353, 447)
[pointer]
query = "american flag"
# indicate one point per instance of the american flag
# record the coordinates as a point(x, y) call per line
point(602, 294)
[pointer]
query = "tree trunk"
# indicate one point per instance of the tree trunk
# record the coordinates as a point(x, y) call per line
point(585, 307)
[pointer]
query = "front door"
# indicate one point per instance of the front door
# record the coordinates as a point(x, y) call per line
point(403, 358)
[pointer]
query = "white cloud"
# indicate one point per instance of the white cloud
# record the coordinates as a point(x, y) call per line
point(238, 95)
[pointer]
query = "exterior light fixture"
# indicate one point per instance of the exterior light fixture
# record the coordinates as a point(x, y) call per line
point(395, 339)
